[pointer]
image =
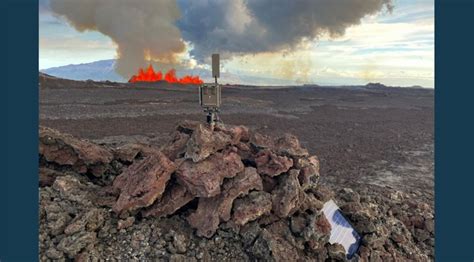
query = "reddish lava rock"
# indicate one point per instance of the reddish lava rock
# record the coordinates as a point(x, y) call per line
point(204, 142)
point(268, 163)
point(251, 207)
point(288, 196)
point(143, 182)
point(211, 211)
point(172, 200)
point(203, 179)
point(66, 150)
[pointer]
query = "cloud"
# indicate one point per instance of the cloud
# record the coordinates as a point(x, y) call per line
point(251, 27)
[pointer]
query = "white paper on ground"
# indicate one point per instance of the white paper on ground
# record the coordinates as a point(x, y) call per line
point(342, 231)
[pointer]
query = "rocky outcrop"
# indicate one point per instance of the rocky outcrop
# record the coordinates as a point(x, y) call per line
point(65, 150)
point(271, 164)
point(213, 210)
point(172, 200)
point(204, 179)
point(236, 175)
point(228, 193)
point(128, 153)
point(251, 207)
point(288, 196)
point(204, 142)
point(143, 182)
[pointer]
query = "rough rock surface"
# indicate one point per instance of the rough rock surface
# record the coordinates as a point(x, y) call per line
point(65, 150)
point(172, 200)
point(143, 182)
point(204, 142)
point(204, 178)
point(249, 208)
point(214, 204)
point(48, 176)
point(288, 196)
point(211, 211)
point(271, 164)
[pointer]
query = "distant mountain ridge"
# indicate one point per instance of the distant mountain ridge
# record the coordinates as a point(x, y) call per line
point(104, 70)
point(99, 71)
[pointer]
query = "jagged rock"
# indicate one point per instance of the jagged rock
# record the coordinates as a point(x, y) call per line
point(245, 152)
point(298, 223)
point(309, 173)
point(177, 146)
point(211, 211)
point(143, 182)
point(65, 150)
point(310, 202)
point(290, 145)
point(204, 142)
point(249, 232)
point(125, 223)
point(282, 220)
point(271, 164)
point(352, 208)
point(129, 152)
point(260, 141)
point(57, 220)
point(288, 196)
point(269, 183)
point(203, 179)
point(336, 252)
point(53, 253)
point(251, 207)
point(237, 133)
point(276, 243)
point(323, 193)
point(268, 219)
point(90, 221)
point(238, 186)
point(318, 228)
point(187, 126)
point(206, 217)
point(172, 200)
point(72, 189)
point(72, 245)
point(48, 176)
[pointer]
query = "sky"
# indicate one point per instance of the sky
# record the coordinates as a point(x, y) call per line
point(394, 48)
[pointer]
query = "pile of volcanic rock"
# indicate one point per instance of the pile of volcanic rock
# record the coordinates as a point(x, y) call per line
point(234, 175)
point(266, 190)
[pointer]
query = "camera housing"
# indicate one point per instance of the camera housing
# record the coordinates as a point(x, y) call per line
point(210, 95)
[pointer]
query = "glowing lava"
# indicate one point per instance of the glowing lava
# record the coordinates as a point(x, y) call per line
point(151, 76)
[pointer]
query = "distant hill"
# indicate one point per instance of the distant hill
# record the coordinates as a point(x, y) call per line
point(99, 71)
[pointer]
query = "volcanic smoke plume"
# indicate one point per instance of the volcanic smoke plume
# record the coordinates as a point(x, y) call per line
point(154, 30)
point(142, 29)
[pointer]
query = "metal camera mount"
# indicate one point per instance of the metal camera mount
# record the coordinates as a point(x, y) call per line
point(210, 95)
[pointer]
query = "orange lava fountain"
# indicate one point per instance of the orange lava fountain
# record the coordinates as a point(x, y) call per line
point(151, 76)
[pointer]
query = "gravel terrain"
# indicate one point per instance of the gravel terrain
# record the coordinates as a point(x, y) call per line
point(378, 141)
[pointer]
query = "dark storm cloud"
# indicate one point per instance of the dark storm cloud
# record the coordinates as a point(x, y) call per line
point(254, 26)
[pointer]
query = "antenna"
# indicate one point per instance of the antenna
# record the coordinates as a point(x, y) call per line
point(215, 66)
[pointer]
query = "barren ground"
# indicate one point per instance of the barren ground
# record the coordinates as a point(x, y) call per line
point(375, 140)
point(363, 136)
